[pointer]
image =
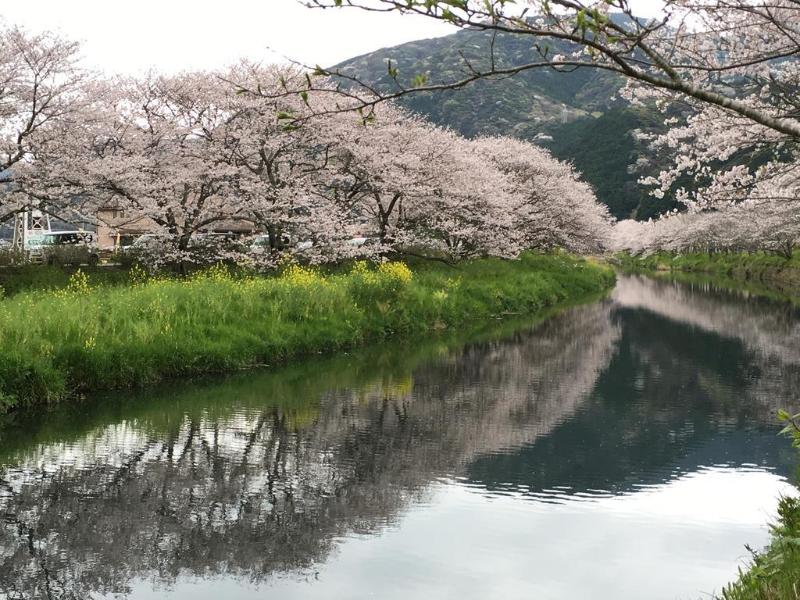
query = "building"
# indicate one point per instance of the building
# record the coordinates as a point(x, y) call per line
point(116, 229)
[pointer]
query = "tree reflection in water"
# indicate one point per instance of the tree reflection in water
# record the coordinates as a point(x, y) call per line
point(261, 474)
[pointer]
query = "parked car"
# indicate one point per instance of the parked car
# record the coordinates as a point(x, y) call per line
point(261, 242)
point(65, 248)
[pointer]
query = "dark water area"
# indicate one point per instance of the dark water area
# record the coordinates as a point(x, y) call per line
point(626, 448)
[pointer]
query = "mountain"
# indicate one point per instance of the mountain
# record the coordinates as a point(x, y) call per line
point(576, 115)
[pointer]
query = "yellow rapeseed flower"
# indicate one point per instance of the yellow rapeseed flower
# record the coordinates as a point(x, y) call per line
point(396, 270)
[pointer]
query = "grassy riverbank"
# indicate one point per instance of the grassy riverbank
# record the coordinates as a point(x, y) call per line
point(774, 573)
point(769, 271)
point(59, 344)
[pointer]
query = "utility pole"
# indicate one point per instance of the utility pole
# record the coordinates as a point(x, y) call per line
point(29, 222)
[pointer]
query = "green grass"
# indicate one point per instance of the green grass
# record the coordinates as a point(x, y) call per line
point(60, 344)
point(774, 573)
point(30, 277)
point(722, 263)
point(760, 272)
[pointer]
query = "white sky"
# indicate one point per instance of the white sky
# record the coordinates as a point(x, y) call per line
point(173, 35)
point(127, 36)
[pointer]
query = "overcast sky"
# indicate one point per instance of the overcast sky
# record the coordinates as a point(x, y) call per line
point(173, 35)
point(127, 36)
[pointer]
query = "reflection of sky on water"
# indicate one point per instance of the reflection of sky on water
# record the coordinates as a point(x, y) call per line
point(465, 543)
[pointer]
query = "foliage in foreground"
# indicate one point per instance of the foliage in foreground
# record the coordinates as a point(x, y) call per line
point(54, 345)
point(775, 573)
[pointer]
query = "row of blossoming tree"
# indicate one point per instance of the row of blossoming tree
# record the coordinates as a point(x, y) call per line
point(725, 73)
point(768, 226)
point(191, 153)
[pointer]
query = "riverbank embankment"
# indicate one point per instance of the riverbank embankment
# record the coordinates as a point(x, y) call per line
point(60, 344)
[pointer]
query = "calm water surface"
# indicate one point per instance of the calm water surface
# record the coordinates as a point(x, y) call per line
point(621, 449)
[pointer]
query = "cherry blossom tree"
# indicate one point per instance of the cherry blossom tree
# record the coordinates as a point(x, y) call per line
point(412, 185)
point(472, 210)
point(386, 164)
point(185, 154)
point(155, 149)
point(633, 237)
point(553, 207)
point(281, 168)
point(40, 83)
point(182, 155)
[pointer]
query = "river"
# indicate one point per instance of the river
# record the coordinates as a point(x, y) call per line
point(624, 448)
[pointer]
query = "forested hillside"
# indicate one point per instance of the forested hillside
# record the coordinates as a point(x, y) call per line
point(581, 112)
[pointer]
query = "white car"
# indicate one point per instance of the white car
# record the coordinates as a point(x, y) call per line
point(65, 247)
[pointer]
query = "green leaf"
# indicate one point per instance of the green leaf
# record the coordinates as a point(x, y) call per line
point(419, 80)
point(392, 70)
